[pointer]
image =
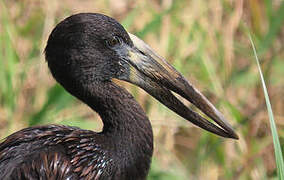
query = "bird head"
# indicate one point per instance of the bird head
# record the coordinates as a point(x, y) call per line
point(94, 48)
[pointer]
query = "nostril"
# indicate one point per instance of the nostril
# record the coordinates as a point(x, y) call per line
point(142, 52)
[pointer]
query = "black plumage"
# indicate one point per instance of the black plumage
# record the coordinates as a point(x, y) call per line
point(84, 53)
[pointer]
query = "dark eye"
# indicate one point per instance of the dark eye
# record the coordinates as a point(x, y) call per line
point(113, 41)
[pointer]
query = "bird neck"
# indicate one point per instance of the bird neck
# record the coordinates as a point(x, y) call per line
point(126, 126)
point(122, 116)
point(127, 130)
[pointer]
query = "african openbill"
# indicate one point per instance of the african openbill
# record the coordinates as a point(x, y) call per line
point(84, 53)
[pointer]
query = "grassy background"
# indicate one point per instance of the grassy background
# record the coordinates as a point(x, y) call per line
point(205, 40)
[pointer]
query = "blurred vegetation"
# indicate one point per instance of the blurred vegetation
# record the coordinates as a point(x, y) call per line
point(205, 40)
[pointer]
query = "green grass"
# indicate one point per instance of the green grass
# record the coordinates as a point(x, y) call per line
point(276, 143)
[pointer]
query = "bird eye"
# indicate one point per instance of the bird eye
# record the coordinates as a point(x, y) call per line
point(113, 41)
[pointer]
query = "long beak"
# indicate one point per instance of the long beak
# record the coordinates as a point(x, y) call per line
point(152, 73)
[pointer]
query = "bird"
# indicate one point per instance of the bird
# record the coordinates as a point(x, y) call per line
point(86, 54)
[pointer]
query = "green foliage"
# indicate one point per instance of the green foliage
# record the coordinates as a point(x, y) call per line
point(156, 173)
